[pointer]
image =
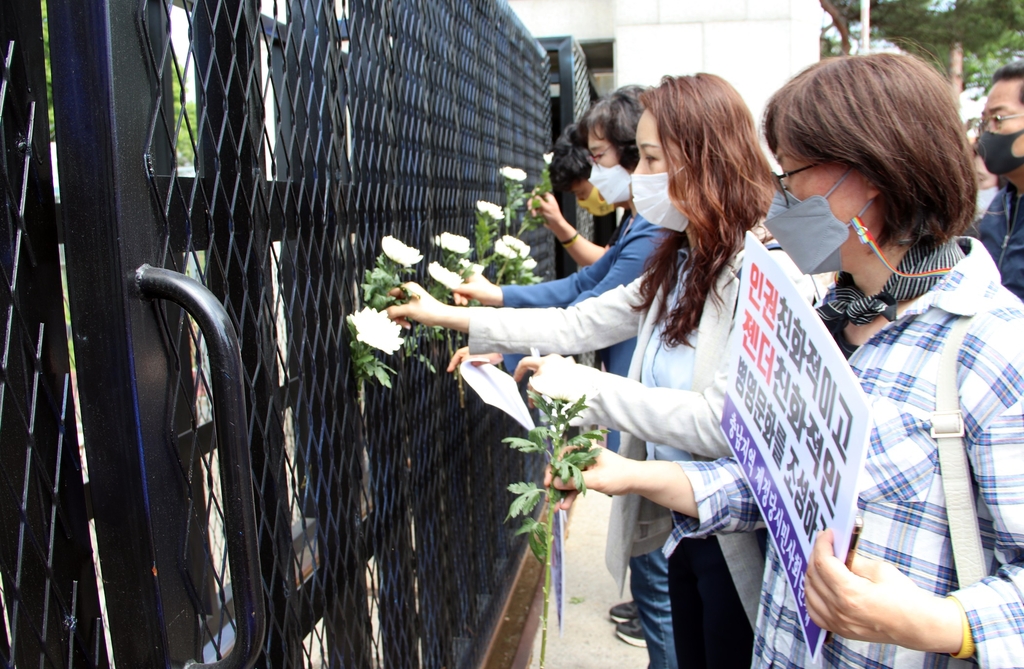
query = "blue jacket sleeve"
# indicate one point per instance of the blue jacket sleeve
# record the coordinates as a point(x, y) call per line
point(623, 263)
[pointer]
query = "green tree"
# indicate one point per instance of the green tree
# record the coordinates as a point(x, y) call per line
point(185, 146)
point(964, 39)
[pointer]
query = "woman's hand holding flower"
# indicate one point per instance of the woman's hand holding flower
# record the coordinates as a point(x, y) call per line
point(424, 309)
point(610, 474)
point(478, 288)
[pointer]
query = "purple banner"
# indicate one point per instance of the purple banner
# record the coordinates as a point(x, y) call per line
point(773, 511)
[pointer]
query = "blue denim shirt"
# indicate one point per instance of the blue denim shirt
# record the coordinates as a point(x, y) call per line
point(1004, 239)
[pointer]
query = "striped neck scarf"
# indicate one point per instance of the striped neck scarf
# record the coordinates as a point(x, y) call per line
point(851, 305)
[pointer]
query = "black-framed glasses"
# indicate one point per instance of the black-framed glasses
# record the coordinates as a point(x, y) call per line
point(993, 123)
point(781, 185)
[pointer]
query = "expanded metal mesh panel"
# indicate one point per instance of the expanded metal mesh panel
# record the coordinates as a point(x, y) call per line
point(49, 611)
point(580, 104)
point(283, 140)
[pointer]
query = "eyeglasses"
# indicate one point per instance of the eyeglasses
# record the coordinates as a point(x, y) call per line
point(781, 185)
point(993, 123)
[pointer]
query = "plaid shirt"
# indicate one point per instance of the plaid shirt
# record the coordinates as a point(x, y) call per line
point(901, 495)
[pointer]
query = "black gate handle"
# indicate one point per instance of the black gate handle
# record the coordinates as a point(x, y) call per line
point(233, 452)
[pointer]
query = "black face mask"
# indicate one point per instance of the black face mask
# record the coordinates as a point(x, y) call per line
point(997, 152)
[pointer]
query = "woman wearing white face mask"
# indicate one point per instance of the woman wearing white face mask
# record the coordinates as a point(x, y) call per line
point(699, 134)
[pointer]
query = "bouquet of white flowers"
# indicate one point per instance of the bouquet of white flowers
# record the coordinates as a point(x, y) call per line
point(513, 262)
point(532, 222)
point(397, 259)
point(372, 329)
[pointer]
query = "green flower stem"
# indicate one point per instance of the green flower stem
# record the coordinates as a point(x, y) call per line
point(553, 497)
point(547, 575)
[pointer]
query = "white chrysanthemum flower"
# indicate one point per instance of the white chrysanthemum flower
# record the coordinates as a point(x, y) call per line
point(406, 256)
point(548, 157)
point(563, 380)
point(454, 243)
point(449, 279)
point(377, 330)
point(475, 268)
point(513, 173)
point(504, 250)
point(521, 248)
point(491, 209)
point(530, 264)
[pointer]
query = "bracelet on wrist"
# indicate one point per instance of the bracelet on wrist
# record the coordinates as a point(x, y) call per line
point(569, 242)
point(967, 646)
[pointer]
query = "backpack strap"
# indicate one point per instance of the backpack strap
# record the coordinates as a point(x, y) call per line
point(948, 432)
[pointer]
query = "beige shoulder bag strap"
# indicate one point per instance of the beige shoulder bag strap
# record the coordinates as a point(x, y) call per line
point(948, 432)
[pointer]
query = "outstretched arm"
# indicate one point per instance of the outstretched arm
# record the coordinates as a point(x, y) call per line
point(662, 482)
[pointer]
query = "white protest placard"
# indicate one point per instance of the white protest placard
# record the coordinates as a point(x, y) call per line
point(498, 389)
point(796, 419)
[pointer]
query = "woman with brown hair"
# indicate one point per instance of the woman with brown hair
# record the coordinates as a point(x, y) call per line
point(878, 184)
point(703, 177)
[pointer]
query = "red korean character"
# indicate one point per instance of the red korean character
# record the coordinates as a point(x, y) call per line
point(751, 335)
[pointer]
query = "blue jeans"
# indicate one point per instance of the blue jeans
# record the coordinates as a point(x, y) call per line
point(648, 581)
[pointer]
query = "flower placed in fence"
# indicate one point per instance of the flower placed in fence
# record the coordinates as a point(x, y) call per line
point(560, 396)
point(396, 260)
point(513, 173)
point(515, 266)
point(453, 243)
point(447, 278)
point(403, 255)
point(491, 209)
point(471, 268)
point(488, 216)
point(534, 221)
point(372, 329)
point(514, 194)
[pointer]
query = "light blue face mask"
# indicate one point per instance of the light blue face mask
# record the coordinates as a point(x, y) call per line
point(808, 231)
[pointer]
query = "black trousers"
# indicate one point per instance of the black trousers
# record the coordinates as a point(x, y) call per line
point(711, 627)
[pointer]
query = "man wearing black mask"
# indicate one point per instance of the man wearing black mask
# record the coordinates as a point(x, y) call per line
point(1001, 146)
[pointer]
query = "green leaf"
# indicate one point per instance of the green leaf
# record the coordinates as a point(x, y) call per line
point(577, 477)
point(539, 541)
point(542, 432)
point(527, 526)
point(523, 487)
point(524, 445)
point(529, 495)
point(381, 373)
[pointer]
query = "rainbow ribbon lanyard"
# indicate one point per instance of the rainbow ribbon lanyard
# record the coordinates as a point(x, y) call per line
point(867, 238)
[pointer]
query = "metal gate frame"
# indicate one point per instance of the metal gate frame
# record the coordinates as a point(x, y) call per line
point(376, 544)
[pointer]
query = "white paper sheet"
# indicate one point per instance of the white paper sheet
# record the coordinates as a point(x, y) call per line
point(498, 389)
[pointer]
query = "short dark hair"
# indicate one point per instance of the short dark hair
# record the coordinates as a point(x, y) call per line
point(1011, 72)
point(892, 118)
point(614, 117)
point(570, 161)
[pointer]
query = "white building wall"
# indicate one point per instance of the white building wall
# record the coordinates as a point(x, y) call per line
point(754, 44)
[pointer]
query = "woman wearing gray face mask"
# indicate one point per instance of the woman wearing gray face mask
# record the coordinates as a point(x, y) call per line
point(906, 278)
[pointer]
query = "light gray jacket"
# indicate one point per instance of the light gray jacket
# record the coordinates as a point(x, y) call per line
point(686, 419)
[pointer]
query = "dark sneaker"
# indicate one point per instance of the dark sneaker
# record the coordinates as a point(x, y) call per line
point(632, 633)
point(620, 613)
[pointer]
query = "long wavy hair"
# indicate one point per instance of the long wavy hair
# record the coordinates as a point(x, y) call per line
point(718, 176)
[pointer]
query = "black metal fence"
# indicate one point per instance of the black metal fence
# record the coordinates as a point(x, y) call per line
point(262, 148)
